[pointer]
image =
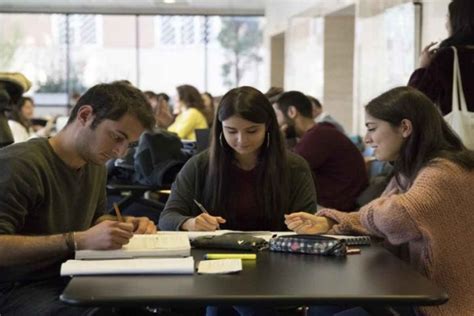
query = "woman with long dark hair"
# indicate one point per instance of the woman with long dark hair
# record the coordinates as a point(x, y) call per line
point(246, 180)
point(435, 75)
point(20, 121)
point(428, 205)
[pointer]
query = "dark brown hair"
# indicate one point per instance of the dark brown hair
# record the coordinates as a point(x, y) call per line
point(112, 101)
point(16, 114)
point(296, 99)
point(272, 179)
point(461, 20)
point(191, 97)
point(431, 136)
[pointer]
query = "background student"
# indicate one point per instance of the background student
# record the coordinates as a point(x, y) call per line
point(20, 121)
point(246, 180)
point(191, 111)
point(427, 205)
point(321, 116)
point(435, 75)
point(208, 101)
point(53, 198)
point(337, 165)
point(161, 110)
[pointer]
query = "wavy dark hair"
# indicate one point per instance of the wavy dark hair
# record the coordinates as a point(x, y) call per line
point(431, 136)
point(112, 101)
point(272, 179)
point(16, 114)
point(461, 19)
point(191, 97)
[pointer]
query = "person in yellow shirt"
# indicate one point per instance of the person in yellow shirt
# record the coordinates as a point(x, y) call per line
point(191, 116)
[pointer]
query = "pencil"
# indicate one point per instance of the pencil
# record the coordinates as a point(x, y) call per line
point(117, 212)
point(200, 207)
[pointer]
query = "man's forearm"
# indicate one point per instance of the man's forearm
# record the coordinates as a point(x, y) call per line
point(29, 249)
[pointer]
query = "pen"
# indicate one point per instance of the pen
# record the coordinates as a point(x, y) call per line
point(243, 256)
point(352, 251)
point(117, 212)
point(200, 206)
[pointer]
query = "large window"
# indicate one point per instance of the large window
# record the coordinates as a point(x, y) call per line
point(65, 54)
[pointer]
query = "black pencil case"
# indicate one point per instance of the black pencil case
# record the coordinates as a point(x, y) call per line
point(235, 241)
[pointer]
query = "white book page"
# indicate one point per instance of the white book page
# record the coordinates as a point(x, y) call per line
point(129, 266)
point(156, 241)
point(220, 266)
point(153, 245)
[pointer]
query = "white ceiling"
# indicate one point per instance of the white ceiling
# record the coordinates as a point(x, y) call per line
point(208, 7)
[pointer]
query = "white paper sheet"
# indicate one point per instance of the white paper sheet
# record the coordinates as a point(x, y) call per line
point(220, 266)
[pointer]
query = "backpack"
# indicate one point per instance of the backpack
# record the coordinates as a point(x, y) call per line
point(158, 158)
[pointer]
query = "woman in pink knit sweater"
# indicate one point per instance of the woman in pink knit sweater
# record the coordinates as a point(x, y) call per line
point(428, 205)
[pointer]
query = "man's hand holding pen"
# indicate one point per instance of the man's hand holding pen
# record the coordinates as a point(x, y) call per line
point(113, 234)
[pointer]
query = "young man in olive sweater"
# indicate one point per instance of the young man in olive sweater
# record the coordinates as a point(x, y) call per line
point(53, 198)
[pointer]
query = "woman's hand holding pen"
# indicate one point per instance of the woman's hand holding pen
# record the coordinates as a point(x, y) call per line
point(203, 222)
point(305, 223)
point(107, 234)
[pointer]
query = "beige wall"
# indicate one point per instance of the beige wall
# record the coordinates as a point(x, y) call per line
point(347, 58)
point(304, 56)
point(277, 60)
point(338, 67)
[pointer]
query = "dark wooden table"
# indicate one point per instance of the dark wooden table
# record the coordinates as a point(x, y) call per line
point(374, 277)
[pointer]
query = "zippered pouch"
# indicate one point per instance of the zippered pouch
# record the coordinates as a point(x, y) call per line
point(309, 244)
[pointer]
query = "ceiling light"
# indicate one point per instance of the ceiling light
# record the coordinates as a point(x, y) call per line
point(169, 1)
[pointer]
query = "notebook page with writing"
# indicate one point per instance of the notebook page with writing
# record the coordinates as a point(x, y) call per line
point(153, 245)
point(129, 266)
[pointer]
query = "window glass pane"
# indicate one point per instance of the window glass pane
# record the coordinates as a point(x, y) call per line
point(235, 53)
point(69, 53)
point(39, 53)
point(103, 49)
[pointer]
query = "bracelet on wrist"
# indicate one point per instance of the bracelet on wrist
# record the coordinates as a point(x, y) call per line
point(70, 242)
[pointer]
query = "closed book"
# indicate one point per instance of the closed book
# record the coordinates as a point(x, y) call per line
point(128, 266)
point(153, 245)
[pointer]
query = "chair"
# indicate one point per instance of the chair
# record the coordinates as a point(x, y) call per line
point(379, 173)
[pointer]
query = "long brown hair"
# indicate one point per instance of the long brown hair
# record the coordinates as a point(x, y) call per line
point(272, 178)
point(17, 115)
point(431, 136)
point(461, 20)
point(191, 97)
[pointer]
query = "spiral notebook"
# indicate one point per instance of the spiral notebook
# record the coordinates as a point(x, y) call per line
point(353, 240)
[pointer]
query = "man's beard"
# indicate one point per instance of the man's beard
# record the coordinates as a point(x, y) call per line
point(290, 132)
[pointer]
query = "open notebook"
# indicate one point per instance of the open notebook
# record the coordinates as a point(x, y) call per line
point(267, 235)
point(129, 266)
point(155, 245)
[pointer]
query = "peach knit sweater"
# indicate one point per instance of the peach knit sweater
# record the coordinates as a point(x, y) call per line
point(435, 216)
